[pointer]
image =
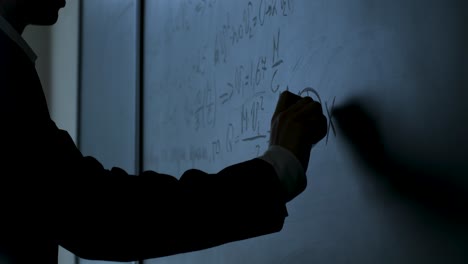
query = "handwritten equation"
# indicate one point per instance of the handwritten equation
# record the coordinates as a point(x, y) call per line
point(254, 16)
point(229, 96)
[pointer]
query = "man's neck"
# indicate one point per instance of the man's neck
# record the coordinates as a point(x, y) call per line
point(11, 26)
point(9, 13)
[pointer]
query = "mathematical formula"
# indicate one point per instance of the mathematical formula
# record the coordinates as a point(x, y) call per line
point(234, 107)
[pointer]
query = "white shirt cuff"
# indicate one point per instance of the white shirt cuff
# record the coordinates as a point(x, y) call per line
point(288, 168)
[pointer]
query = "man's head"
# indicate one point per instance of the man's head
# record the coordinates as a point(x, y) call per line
point(31, 12)
point(40, 12)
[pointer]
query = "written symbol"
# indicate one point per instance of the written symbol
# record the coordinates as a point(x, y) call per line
point(330, 116)
point(276, 46)
point(205, 112)
point(307, 90)
point(230, 138)
point(277, 61)
point(202, 5)
point(269, 8)
point(257, 147)
point(216, 149)
point(220, 52)
point(329, 109)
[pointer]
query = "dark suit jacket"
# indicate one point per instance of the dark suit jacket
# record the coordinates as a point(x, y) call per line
point(52, 195)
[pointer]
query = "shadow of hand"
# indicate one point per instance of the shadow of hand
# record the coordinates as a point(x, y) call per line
point(442, 196)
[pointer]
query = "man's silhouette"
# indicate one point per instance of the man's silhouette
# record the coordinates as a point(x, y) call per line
point(52, 195)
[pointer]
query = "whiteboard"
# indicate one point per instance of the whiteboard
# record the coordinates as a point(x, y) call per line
point(213, 71)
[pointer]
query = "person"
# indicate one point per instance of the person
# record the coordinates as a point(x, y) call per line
point(52, 195)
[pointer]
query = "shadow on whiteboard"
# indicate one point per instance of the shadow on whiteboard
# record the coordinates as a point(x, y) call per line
point(441, 198)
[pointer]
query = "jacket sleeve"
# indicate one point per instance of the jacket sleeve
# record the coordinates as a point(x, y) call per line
point(118, 217)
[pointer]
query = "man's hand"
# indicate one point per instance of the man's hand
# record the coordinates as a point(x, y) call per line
point(297, 124)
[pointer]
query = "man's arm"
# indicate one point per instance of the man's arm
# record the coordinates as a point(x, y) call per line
point(114, 216)
point(152, 215)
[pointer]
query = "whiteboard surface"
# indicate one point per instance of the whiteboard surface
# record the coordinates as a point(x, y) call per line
point(214, 70)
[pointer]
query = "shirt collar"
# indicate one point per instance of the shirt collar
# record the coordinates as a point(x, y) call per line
point(17, 38)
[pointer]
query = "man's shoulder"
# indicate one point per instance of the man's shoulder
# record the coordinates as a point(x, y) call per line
point(20, 88)
point(10, 52)
point(6, 44)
